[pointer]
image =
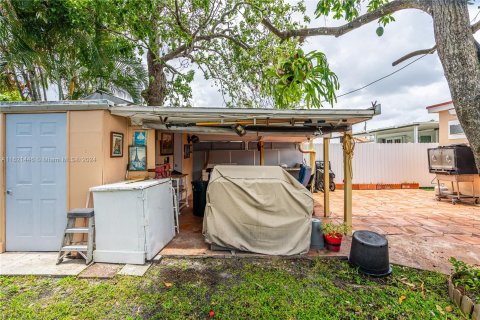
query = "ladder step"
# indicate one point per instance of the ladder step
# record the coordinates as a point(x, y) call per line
point(77, 230)
point(75, 248)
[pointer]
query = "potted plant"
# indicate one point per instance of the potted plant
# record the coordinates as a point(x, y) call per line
point(333, 234)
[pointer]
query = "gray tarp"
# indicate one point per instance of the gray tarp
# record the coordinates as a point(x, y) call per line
point(258, 209)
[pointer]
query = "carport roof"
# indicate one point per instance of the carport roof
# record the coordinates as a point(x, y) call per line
point(221, 120)
point(298, 122)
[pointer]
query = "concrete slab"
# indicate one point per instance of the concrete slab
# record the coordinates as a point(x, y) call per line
point(39, 263)
point(422, 232)
point(101, 271)
point(134, 269)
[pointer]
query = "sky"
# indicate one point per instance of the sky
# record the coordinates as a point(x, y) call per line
point(360, 57)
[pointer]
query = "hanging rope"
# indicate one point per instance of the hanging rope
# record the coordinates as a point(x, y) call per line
point(348, 148)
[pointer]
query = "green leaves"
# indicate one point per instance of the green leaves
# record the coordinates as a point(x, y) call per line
point(467, 277)
point(300, 77)
point(350, 9)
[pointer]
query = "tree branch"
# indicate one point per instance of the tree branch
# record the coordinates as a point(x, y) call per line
point(179, 50)
point(475, 27)
point(178, 18)
point(415, 53)
point(368, 17)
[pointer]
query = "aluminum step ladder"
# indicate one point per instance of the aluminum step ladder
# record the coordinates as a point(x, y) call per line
point(175, 210)
point(84, 249)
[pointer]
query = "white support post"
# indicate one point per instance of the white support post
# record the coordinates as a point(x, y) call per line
point(415, 134)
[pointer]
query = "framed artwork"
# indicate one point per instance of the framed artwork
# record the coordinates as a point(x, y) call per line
point(116, 144)
point(187, 150)
point(137, 158)
point(166, 144)
point(140, 138)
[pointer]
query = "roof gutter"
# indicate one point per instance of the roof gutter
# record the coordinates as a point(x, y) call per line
point(47, 106)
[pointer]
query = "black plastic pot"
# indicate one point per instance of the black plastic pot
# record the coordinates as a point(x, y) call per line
point(369, 252)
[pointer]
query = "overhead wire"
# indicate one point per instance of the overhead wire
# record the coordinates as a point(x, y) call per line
point(385, 76)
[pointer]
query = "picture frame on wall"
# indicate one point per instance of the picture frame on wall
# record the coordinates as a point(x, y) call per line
point(166, 144)
point(140, 138)
point(116, 144)
point(187, 151)
point(137, 158)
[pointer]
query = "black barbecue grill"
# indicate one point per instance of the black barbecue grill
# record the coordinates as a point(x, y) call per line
point(453, 159)
point(456, 164)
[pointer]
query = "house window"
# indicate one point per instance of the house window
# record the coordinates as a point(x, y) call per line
point(455, 131)
point(425, 139)
point(394, 140)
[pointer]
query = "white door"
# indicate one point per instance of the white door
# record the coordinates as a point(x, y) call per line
point(36, 181)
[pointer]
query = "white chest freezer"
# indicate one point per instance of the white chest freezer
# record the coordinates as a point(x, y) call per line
point(133, 220)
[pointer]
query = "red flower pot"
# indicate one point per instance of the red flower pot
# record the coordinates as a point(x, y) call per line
point(333, 241)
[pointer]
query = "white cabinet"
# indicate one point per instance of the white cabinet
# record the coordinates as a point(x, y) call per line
point(133, 220)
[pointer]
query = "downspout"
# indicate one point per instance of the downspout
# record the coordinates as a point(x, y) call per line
point(313, 155)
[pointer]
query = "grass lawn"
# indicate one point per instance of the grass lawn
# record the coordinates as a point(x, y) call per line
point(236, 288)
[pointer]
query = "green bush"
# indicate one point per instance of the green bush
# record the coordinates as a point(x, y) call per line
point(466, 277)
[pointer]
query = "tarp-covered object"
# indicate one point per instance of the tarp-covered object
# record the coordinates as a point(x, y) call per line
point(261, 209)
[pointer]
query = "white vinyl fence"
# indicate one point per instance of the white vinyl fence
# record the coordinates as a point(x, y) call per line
point(379, 163)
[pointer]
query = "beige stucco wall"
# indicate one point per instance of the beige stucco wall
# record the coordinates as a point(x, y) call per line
point(114, 168)
point(85, 141)
point(444, 117)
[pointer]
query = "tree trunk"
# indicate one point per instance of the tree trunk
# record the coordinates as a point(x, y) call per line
point(37, 83)
point(59, 86)
point(29, 85)
point(157, 85)
point(458, 53)
point(17, 83)
point(44, 83)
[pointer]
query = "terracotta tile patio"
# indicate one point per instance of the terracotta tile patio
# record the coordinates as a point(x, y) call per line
point(422, 232)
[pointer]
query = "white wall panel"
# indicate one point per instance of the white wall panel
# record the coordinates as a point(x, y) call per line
point(383, 163)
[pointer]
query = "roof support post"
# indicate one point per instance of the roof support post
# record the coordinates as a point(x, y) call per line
point(312, 156)
point(348, 146)
point(326, 176)
point(262, 153)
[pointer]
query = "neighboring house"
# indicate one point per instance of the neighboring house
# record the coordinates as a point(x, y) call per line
point(450, 131)
point(417, 132)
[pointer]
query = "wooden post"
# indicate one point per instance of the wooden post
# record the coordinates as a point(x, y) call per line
point(262, 153)
point(347, 177)
point(312, 157)
point(326, 176)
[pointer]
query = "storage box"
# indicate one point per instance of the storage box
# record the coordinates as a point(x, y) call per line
point(133, 221)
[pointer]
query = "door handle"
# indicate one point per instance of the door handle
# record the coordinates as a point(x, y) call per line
point(9, 192)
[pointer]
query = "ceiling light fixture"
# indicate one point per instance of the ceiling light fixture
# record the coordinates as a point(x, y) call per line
point(239, 129)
